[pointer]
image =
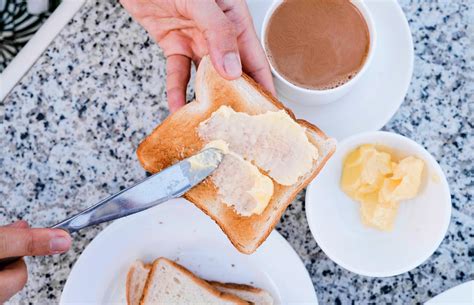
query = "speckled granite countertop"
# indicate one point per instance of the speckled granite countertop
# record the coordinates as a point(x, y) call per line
point(71, 126)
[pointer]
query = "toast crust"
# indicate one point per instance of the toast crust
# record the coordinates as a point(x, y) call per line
point(177, 138)
point(198, 281)
point(129, 289)
point(236, 286)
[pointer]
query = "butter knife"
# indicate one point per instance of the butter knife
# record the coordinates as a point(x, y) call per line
point(169, 183)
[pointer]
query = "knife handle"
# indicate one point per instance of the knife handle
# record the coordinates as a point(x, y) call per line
point(65, 225)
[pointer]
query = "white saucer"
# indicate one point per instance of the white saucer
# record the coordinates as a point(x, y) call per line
point(178, 230)
point(420, 226)
point(378, 95)
point(460, 295)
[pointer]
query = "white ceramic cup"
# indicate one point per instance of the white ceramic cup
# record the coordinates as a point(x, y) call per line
point(313, 97)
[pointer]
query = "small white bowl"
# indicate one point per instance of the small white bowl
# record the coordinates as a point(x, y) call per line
point(420, 226)
point(313, 97)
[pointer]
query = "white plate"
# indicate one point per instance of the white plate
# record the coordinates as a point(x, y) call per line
point(378, 95)
point(460, 295)
point(420, 226)
point(178, 230)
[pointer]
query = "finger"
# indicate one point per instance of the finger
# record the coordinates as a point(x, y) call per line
point(12, 279)
point(20, 224)
point(254, 60)
point(198, 43)
point(177, 78)
point(220, 35)
point(28, 242)
point(158, 28)
point(197, 61)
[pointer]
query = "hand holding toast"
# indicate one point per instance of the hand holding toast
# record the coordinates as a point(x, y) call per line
point(17, 240)
point(188, 29)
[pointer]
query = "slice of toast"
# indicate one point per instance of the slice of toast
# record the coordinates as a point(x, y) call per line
point(177, 138)
point(171, 283)
point(136, 280)
point(248, 293)
point(138, 275)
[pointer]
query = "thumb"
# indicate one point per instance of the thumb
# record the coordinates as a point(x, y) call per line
point(28, 242)
point(220, 35)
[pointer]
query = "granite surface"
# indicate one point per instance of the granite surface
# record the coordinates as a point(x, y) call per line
point(70, 127)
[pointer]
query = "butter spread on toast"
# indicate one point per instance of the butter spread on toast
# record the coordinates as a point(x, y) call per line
point(239, 183)
point(273, 141)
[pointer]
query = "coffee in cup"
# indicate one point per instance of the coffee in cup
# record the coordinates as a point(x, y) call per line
point(317, 44)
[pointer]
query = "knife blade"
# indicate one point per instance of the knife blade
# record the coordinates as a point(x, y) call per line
point(169, 183)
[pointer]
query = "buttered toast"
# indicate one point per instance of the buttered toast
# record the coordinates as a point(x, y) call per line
point(179, 137)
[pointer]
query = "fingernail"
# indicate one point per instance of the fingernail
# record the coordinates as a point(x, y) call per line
point(59, 244)
point(232, 64)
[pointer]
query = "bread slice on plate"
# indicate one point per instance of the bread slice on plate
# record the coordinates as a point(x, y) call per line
point(139, 272)
point(178, 137)
point(170, 283)
point(136, 280)
point(248, 293)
